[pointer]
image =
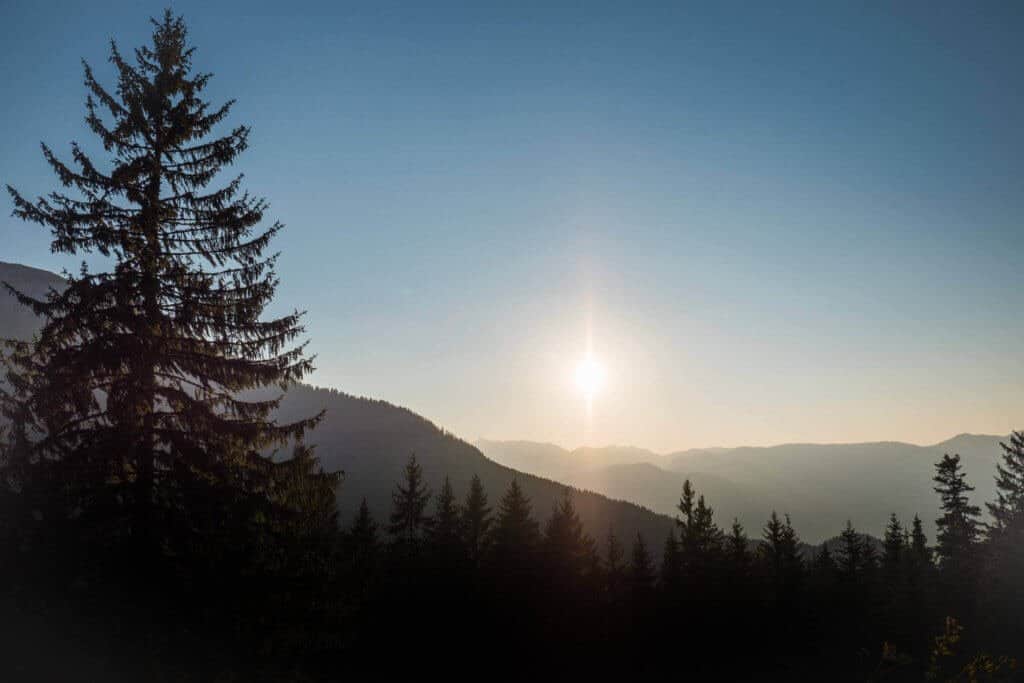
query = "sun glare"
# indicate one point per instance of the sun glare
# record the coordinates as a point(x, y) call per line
point(589, 376)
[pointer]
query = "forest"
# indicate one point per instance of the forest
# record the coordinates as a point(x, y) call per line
point(159, 522)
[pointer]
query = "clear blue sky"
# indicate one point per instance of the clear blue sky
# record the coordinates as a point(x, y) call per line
point(777, 221)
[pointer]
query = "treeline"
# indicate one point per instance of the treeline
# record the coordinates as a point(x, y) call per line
point(739, 604)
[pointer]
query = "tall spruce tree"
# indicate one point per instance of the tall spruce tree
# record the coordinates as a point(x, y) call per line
point(780, 545)
point(444, 533)
point(737, 548)
point(516, 534)
point(362, 546)
point(409, 519)
point(361, 539)
point(919, 550)
point(641, 568)
point(568, 550)
point(700, 539)
point(1005, 547)
point(958, 527)
point(671, 563)
point(893, 549)
point(1008, 509)
point(614, 563)
point(852, 551)
point(779, 552)
point(824, 567)
point(476, 521)
point(130, 396)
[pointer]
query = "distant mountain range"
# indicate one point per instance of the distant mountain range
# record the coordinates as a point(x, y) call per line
point(371, 440)
point(820, 485)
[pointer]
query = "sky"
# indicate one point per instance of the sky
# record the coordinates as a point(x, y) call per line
point(770, 222)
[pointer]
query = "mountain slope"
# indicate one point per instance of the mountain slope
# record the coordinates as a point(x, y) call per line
point(16, 321)
point(371, 440)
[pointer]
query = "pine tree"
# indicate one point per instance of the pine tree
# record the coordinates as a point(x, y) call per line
point(614, 564)
point(893, 548)
point(476, 521)
point(918, 562)
point(409, 521)
point(131, 390)
point(362, 536)
point(445, 526)
point(363, 545)
point(444, 532)
point(738, 547)
point(1004, 597)
point(303, 497)
point(671, 563)
point(958, 527)
point(700, 538)
point(567, 548)
point(919, 550)
point(516, 534)
point(824, 565)
point(780, 545)
point(1008, 508)
point(641, 568)
point(790, 543)
point(851, 553)
point(779, 551)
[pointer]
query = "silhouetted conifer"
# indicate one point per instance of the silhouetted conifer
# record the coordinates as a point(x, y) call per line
point(476, 521)
point(958, 527)
point(615, 568)
point(738, 547)
point(444, 534)
point(362, 546)
point(700, 539)
point(1004, 571)
point(824, 564)
point(516, 534)
point(1008, 509)
point(893, 549)
point(780, 545)
point(362, 539)
point(852, 551)
point(671, 563)
point(409, 521)
point(779, 552)
point(641, 567)
point(133, 384)
point(568, 550)
point(919, 549)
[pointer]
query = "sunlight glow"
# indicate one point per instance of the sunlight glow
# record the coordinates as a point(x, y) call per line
point(590, 376)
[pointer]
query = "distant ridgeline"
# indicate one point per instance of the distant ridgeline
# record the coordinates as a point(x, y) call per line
point(819, 485)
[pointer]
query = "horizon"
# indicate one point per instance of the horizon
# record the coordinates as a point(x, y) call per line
point(679, 451)
point(473, 441)
point(757, 247)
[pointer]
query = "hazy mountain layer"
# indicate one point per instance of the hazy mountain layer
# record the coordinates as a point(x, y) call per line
point(820, 485)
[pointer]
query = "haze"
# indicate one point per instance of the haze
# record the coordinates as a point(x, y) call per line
point(768, 229)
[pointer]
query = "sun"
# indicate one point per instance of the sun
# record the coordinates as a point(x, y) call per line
point(589, 376)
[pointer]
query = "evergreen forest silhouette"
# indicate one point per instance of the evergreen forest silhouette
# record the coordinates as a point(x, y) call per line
point(158, 525)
